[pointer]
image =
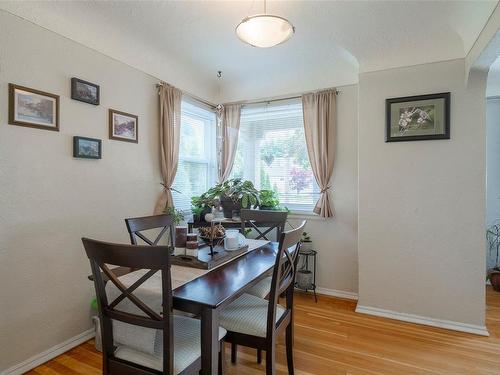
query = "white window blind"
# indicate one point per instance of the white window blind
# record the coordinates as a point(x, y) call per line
point(272, 153)
point(196, 171)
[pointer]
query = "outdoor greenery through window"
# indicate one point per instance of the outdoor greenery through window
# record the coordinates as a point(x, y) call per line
point(196, 171)
point(272, 153)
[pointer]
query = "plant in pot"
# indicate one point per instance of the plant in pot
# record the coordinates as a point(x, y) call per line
point(306, 242)
point(202, 205)
point(268, 200)
point(493, 239)
point(235, 194)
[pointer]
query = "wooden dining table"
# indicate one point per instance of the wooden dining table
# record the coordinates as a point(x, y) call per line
point(208, 294)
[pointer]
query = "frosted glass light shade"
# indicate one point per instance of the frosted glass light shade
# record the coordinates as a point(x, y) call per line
point(264, 30)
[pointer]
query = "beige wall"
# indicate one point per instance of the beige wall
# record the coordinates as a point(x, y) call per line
point(49, 200)
point(422, 204)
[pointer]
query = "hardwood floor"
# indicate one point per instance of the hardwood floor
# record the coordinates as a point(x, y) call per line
point(331, 339)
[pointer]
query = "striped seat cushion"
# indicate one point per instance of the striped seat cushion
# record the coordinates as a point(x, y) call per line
point(187, 347)
point(261, 289)
point(248, 315)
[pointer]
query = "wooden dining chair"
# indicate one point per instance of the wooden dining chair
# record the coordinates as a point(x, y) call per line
point(136, 225)
point(179, 350)
point(264, 222)
point(255, 322)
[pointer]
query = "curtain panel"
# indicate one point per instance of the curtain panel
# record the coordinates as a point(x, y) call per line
point(170, 124)
point(319, 111)
point(227, 136)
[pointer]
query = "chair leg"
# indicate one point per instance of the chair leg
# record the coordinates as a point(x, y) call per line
point(259, 356)
point(289, 348)
point(271, 361)
point(234, 349)
point(222, 362)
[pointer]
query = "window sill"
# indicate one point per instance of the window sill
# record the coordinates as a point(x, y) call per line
point(297, 214)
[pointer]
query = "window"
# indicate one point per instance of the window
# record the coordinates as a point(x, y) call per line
point(272, 153)
point(196, 171)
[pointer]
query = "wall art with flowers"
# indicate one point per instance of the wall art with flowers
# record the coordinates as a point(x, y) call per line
point(418, 118)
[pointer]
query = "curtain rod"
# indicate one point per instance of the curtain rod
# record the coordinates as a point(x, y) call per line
point(298, 96)
point(192, 96)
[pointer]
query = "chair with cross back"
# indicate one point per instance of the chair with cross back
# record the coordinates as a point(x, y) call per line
point(176, 343)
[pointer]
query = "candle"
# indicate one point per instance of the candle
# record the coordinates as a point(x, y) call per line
point(192, 248)
point(192, 237)
point(180, 236)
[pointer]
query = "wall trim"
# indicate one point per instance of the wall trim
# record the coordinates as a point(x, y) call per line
point(440, 323)
point(49, 354)
point(337, 293)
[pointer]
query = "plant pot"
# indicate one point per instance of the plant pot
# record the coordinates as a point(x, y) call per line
point(495, 279)
point(304, 279)
point(98, 337)
point(306, 246)
point(268, 208)
point(228, 206)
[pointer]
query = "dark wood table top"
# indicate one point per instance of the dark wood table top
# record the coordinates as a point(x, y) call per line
point(221, 284)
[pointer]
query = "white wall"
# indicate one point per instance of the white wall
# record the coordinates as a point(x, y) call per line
point(336, 239)
point(421, 204)
point(49, 200)
point(492, 166)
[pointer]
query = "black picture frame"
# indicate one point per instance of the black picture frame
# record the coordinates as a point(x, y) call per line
point(76, 95)
point(77, 152)
point(445, 96)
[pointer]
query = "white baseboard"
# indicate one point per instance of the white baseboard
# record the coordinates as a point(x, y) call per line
point(337, 293)
point(49, 354)
point(440, 323)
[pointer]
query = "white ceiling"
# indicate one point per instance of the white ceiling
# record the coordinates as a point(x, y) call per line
point(186, 42)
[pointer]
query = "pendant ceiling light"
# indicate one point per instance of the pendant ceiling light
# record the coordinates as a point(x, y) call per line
point(264, 30)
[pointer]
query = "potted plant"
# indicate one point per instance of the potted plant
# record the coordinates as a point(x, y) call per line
point(268, 200)
point(235, 194)
point(306, 242)
point(202, 205)
point(493, 239)
point(177, 215)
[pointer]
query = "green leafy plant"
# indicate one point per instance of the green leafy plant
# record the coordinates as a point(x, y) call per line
point(177, 215)
point(493, 240)
point(268, 199)
point(306, 237)
point(238, 191)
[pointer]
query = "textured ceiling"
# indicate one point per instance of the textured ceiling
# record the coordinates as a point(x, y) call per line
point(186, 42)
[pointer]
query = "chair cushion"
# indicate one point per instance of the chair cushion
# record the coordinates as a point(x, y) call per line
point(187, 344)
point(248, 315)
point(261, 289)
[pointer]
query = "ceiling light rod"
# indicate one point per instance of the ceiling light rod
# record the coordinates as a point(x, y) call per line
point(264, 30)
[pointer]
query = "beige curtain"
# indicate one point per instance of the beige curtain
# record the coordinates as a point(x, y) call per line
point(227, 135)
point(319, 111)
point(170, 123)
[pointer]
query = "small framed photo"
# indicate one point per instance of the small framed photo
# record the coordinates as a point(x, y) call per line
point(84, 91)
point(123, 126)
point(33, 108)
point(87, 148)
point(418, 118)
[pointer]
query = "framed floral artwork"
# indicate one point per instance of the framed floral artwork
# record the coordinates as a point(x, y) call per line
point(418, 118)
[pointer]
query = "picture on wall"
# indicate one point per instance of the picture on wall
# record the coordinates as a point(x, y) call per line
point(87, 148)
point(417, 118)
point(33, 108)
point(123, 126)
point(84, 91)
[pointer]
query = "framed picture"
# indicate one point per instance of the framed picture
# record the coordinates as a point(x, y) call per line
point(123, 126)
point(33, 108)
point(84, 91)
point(87, 148)
point(418, 118)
